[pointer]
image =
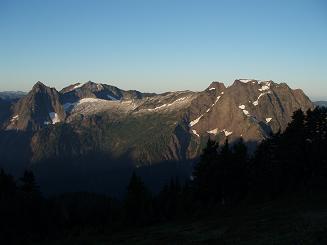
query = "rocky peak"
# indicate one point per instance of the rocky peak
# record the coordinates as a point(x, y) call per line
point(41, 106)
point(71, 88)
point(93, 86)
point(249, 108)
point(216, 85)
point(154, 128)
point(39, 85)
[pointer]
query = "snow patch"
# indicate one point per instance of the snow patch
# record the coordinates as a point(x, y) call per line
point(213, 104)
point(54, 117)
point(265, 86)
point(161, 106)
point(166, 105)
point(246, 112)
point(255, 103)
point(245, 80)
point(194, 132)
point(180, 99)
point(14, 118)
point(222, 93)
point(90, 100)
point(212, 88)
point(68, 106)
point(217, 100)
point(78, 86)
point(192, 123)
point(242, 107)
point(268, 119)
point(158, 107)
point(214, 131)
point(227, 133)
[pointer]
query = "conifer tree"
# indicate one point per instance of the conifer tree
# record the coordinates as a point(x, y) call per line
point(7, 185)
point(204, 175)
point(239, 168)
point(138, 202)
point(29, 185)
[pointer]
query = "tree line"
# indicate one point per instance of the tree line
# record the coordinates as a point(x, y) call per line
point(293, 162)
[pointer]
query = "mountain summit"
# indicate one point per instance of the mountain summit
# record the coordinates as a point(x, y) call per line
point(249, 108)
point(40, 107)
point(141, 129)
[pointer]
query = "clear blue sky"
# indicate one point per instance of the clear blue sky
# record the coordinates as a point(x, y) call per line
point(160, 45)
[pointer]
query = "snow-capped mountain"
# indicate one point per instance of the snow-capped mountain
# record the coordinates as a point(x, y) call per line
point(141, 129)
point(41, 106)
point(250, 109)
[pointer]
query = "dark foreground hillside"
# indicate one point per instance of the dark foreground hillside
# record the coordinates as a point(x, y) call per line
point(276, 196)
point(287, 221)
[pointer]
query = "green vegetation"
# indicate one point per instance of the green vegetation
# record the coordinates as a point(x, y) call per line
point(119, 136)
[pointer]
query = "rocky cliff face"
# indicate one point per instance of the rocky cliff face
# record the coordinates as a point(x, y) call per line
point(91, 136)
point(150, 128)
point(40, 107)
point(249, 109)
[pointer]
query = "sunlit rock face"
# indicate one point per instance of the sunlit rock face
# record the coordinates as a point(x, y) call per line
point(149, 127)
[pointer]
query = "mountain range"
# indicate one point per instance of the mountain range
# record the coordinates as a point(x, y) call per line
point(11, 95)
point(87, 132)
point(321, 103)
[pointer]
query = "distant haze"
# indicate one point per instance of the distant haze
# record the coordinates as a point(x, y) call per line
point(166, 45)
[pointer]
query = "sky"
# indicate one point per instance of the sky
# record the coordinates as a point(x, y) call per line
point(163, 45)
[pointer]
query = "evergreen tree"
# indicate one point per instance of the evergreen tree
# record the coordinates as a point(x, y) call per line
point(8, 207)
point(292, 152)
point(29, 185)
point(316, 138)
point(7, 185)
point(267, 175)
point(204, 175)
point(170, 203)
point(138, 202)
point(239, 168)
point(223, 173)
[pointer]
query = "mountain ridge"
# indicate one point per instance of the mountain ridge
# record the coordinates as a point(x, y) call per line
point(321, 103)
point(138, 130)
point(261, 104)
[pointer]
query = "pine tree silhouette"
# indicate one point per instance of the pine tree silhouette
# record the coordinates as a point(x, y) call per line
point(239, 167)
point(138, 202)
point(204, 183)
point(7, 185)
point(29, 185)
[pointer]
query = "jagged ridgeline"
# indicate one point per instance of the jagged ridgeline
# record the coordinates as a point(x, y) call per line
point(92, 129)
